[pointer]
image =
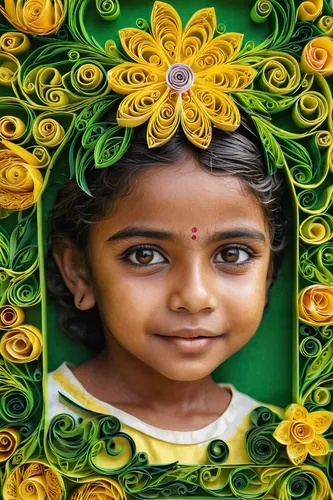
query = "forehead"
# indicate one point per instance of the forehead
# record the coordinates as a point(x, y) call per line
point(184, 194)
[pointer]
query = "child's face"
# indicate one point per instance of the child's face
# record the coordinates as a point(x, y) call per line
point(185, 283)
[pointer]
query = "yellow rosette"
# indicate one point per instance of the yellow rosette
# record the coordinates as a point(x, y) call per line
point(302, 431)
point(310, 10)
point(106, 489)
point(20, 179)
point(48, 132)
point(36, 17)
point(14, 42)
point(9, 441)
point(11, 128)
point(34, 481)
point(11, 316)
point(180, 76)
point(317, 56)
point(22, 344)
point(315, 305)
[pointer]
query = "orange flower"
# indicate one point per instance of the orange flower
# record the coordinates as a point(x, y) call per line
point(301, 432)
point(317, 56)
point(316, 305)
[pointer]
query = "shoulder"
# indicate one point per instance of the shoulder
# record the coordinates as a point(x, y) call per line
point(55, 389)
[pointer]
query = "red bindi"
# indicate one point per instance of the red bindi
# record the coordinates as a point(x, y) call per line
point(193, 237)
point(194, 230)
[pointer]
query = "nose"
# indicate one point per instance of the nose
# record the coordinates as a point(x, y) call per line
point(193, 288)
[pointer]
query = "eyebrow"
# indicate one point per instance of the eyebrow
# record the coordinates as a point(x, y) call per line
point(144, 232)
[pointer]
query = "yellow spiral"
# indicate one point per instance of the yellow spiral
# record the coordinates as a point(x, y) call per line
point(21, 344)
point(14, 42)
point(317, 229)
point(310, 10)
point(11, 128)
point(9, 67)
point(99, 488)
point(11, 316)
point(317, 56)
point(9, 441)
point(48, 132)
point(315, 305)
point(325, 24)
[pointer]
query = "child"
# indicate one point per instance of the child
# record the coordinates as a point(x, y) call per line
point(168, 266)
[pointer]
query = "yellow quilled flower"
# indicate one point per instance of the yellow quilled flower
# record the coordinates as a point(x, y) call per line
point(302, 431)
point(180, 76)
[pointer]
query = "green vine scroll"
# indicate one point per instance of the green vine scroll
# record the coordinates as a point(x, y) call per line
point(61, 71)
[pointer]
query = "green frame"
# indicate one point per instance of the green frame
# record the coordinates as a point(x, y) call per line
point(293, 117)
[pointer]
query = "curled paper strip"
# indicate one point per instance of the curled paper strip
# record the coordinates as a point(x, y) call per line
point(11, 317)
point(317, 56)
point(21, 344)
point(316, 305)
point(310, 10)
point(47, 132)
point(302, 431)
point(36, 17)
point(34, 481)
point(9, 441)
point(20, 179)
point(106, 489)
point(14, 42)
point(11, 128)
point(176, 61)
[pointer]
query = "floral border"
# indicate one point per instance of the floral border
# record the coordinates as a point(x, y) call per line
point(56, 83)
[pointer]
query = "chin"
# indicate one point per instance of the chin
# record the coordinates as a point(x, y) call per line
point(186, 374)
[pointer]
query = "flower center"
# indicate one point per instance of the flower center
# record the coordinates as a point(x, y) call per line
point(180, 77)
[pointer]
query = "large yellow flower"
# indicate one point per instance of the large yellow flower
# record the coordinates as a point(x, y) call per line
point(301, 432)
point(180, 77)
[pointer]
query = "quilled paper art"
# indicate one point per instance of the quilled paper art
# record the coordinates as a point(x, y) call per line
point(180, 77)
point(302, 431)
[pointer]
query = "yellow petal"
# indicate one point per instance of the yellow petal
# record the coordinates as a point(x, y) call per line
point(164, 121)
point(221, 108)
point(130, 77)
point(142, 48)
point(297, 452)
point(167, 30)
point(221, 50)
point(11, 10)
point(319, 447)
point(282, 432)
point(195, 121)
point(136, 108)
point(321, 420)
point(296, 412)
point(226, 78)
point(23, 153)
point(198, 32)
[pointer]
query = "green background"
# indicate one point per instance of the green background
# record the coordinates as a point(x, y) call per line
point(263, 368)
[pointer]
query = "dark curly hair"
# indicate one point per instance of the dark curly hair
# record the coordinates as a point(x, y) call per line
point(239, 154)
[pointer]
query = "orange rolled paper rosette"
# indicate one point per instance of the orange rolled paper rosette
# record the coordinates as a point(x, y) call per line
point(315, 305)
point(317, 56)
point(11, 316)
point(22, 344)
point(302, 431)
point(180, 77)
point(36, 17)
point(20, 180)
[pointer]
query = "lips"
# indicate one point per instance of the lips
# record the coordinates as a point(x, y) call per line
point(188, 333)
point(191, 345)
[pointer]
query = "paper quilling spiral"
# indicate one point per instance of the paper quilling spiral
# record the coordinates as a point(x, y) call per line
point(57, 81)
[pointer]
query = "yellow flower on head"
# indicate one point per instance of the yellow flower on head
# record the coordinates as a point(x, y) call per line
point(301, 433)
point(180, 77)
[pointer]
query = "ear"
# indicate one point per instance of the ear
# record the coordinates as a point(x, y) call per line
point(73, 269)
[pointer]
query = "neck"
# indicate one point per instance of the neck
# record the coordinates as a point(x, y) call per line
point(130, 381)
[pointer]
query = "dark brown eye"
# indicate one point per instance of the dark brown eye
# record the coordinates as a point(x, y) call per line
point(234, 255)
point(144, 256)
